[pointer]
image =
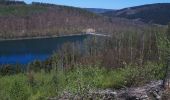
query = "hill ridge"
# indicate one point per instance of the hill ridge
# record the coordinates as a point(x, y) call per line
point(157, 13)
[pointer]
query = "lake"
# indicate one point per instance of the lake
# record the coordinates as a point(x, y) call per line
point(28, 50)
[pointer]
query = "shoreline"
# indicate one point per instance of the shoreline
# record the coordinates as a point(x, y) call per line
point(41, 37)
point(54, 36)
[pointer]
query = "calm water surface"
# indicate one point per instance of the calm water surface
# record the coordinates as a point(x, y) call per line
point(25, 51)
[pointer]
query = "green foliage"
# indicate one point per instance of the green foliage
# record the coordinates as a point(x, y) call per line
point(139, 75)
point(19, 91)
point(22, 10)
point(163, 45)
point(10, 69)
point(17, 87)
point(78, 80)
point(82, 78)
point(131, 75)
point(14, 88)
point(35, 66)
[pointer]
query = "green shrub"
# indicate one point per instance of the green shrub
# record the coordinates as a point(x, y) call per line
point(19, 91)
point(78, 80)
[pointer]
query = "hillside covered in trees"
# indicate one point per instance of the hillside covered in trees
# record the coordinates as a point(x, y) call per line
point(18, 20)
point(98, 10)
point(152, 13)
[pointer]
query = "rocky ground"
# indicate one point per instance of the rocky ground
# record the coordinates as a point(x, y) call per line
point(151, 91)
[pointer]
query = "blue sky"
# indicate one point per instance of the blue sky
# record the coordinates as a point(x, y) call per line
point(109, 4)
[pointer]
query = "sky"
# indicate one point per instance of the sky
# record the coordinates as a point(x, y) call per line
point(108, 4)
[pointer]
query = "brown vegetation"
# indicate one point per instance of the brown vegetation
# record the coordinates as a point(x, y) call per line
point(39, 19)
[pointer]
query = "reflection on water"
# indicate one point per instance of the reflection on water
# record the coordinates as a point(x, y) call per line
point(25, 51)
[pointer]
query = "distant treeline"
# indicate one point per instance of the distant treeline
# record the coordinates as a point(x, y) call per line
point(11, 2)
point(152, 13)
point(41, 19)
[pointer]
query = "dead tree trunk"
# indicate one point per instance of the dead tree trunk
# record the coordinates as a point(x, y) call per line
point(167, 76)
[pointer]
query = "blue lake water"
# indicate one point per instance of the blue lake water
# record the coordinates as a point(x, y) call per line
point(28, 50)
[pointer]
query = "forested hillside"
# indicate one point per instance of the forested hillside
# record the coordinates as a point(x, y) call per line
point(152, 13)
point(98, 10)
point(37, 19)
